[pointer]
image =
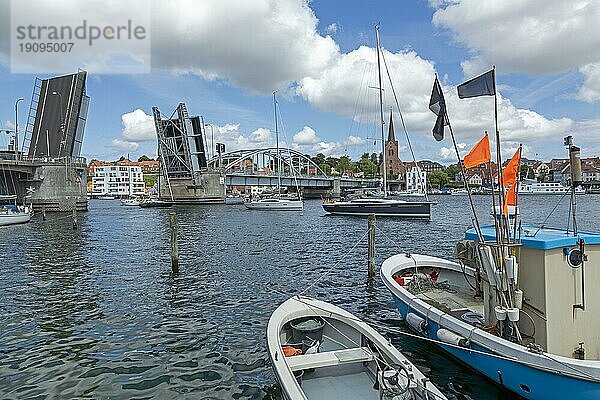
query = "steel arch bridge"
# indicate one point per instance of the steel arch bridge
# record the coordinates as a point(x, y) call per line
point(267, 162)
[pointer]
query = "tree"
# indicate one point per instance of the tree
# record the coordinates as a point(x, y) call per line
point(437, 179)
point(374, 159)
point(451, 171)
point(144, 158)
point(526, 172)
point(122, 158)
point(344, 164)
point(325, 167)
point(318, 159)
point(333, 161)
point(367, 166)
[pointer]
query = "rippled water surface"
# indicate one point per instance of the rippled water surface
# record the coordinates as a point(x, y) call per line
point(97, 313)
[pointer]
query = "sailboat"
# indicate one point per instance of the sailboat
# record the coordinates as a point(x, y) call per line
point(515, 307)
point(10, 212)
point(383, 206)
point(277, 201)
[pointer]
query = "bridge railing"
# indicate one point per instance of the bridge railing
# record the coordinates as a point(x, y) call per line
point(25, 159)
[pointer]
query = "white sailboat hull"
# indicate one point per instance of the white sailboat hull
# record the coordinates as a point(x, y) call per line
point(14, 218)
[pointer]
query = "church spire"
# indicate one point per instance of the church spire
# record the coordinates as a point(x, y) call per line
point(391, 137)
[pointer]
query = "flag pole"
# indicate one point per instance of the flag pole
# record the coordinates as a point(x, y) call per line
point(466, 183)
point(499, 159)
point(517, 191)
point(491, 171)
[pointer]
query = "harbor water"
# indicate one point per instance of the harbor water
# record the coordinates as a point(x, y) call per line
point(96, 312)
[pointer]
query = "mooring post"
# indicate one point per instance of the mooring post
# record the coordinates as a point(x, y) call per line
point(43, 213)
point(174, 247)
point(74, 219)
point(371, 251)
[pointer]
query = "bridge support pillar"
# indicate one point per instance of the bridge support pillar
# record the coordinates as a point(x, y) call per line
point(337, 187)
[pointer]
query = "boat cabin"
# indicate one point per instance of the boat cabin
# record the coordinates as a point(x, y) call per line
point(558, 276)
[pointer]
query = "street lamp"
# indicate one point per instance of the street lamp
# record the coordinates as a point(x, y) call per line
point(62, 124)
point(17, 128)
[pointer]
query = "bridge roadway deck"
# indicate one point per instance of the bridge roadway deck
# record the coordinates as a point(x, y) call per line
point(303, 181)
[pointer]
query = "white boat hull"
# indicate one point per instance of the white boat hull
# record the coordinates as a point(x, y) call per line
point(276, 205)
point(348, 345)
point(511, 365)
point(14, 218)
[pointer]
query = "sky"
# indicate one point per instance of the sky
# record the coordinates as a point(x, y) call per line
point(224, 59)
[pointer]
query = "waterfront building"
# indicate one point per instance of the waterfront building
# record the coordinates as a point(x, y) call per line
point(118, 180)
point(416, 180)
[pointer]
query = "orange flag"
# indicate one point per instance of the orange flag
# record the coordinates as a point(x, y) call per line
point(510, 199)
point(479, 154)
point(510, 172)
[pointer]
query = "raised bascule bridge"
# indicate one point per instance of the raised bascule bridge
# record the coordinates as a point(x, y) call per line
point(45, 168)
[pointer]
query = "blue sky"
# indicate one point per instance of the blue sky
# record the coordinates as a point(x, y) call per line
point(226, 57)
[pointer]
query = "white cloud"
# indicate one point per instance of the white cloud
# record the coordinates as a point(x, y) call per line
point(260, 45)
point(535, 36)
point(342, 86)
point(261, 136)
point(332, 28)
point(445, 153)
point(9, 125)
point(590, 90)
point(306, 136)
point(124, 145)
point(138, 126)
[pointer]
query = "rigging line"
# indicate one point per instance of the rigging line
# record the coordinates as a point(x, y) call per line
point(401, 116)
point(291, 158)
point(506, 358)
point(552, 211)
point(335, 265)
point(390, 239)
point(398, 107)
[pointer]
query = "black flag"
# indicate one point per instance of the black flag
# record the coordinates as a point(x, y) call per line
point(438, 106)
point(482, 85)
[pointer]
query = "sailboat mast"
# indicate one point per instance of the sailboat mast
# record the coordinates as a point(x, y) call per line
point(382, 122)
point(277, 140)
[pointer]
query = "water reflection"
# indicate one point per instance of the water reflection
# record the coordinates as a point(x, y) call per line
point(97, 312)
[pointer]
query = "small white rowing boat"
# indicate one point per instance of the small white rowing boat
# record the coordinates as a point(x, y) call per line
point(331, 354)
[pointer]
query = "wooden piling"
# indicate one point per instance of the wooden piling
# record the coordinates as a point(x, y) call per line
point(74, 219)
point(371, 248)
point(174, 247)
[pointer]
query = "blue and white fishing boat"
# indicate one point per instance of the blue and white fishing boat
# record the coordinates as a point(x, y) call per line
point(515, 305)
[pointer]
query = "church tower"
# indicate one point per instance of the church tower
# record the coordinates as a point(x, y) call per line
point(394, 166)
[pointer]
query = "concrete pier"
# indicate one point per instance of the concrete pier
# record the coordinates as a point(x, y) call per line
point(203, 188)
point(50, 185)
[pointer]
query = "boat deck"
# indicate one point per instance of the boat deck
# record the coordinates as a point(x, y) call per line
point(457, 303)
point(351, 382)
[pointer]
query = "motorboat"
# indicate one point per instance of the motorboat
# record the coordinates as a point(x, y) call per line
point(320, 351)
point(11, 214)
point(276, 203)
point(234, 200)
point(156, 202)
point(131, 202)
